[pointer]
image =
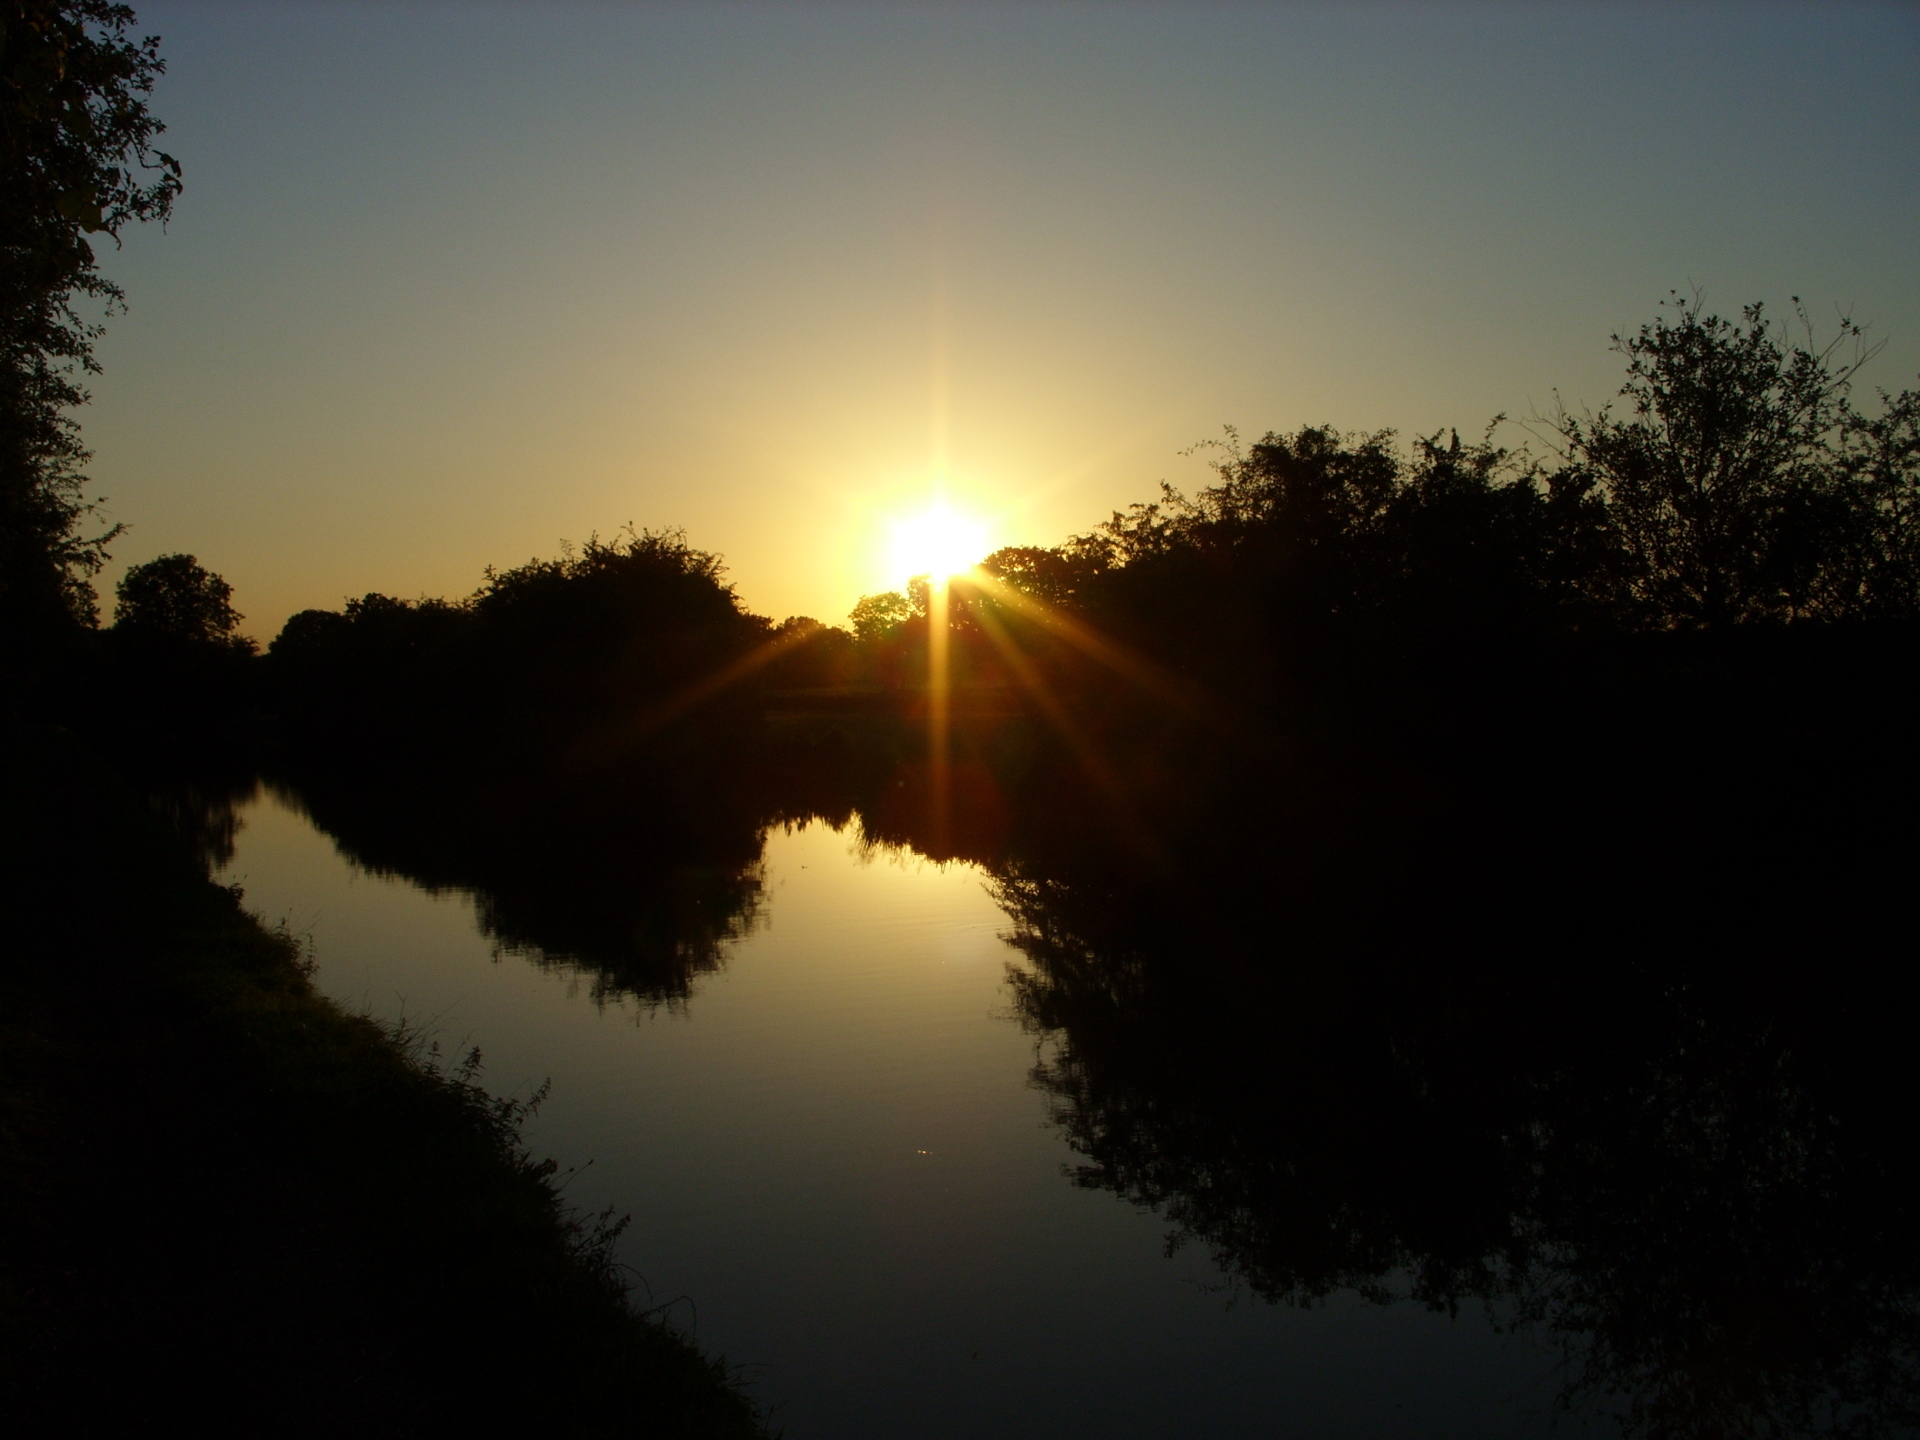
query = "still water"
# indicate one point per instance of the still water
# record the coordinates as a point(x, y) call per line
point(843, 1177)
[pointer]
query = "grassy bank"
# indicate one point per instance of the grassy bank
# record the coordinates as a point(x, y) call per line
point(230, 1206)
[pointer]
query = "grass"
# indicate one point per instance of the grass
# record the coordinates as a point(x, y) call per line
point(228, 1206)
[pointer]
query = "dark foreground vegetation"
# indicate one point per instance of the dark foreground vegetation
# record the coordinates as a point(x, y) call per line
point(230, 1205)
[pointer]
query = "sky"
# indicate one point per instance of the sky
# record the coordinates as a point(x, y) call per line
point(452, 284)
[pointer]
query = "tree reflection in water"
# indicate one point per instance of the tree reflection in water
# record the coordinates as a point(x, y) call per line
point(1675, 1141)
point(1707, 1196)
point(623, 881)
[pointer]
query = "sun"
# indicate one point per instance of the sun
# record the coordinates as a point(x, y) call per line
point(937, 542)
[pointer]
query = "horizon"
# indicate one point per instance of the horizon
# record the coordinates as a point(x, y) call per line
point(448, 288)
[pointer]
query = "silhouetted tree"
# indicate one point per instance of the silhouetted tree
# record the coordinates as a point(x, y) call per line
point(177, 677)
point(380, 671)
point(811, 655)
point(177, 598)
point(620, 644)
point(1052, 574)
point(1324, 564)
point(1723, 485)
point(76, 160)
point(1878, 574)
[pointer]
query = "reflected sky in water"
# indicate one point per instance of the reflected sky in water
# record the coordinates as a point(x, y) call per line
point(840, 1171)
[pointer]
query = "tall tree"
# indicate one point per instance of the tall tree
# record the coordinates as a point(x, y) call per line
point(77, 161)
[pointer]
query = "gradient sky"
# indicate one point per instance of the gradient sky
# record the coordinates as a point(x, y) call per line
point(452, 283)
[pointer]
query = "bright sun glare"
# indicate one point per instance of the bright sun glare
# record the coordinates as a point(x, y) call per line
point(937, 543)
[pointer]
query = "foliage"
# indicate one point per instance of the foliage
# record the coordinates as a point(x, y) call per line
point(76, 160)
point(876, 617)
point(1743, 488)
point(173, 676)
point(1728, 487)
point(811, 656)
point(590, 654)
point(1052, 575)
point(1424, 594)
point(1876, 573)
point(356, 1233)
point(1347, 528)
point(177, 598)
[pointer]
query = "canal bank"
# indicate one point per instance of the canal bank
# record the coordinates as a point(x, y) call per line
point(229, 1200)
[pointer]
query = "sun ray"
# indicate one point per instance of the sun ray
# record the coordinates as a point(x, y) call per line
point(1178, 693)
point(1105, 782)
point(939, 714)
point(690, 697)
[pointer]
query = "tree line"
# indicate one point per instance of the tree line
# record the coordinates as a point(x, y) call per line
point(1733, 483)
point(1736, 535)
point(1734, 501)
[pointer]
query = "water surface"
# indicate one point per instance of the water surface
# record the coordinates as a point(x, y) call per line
point(843, 1177)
